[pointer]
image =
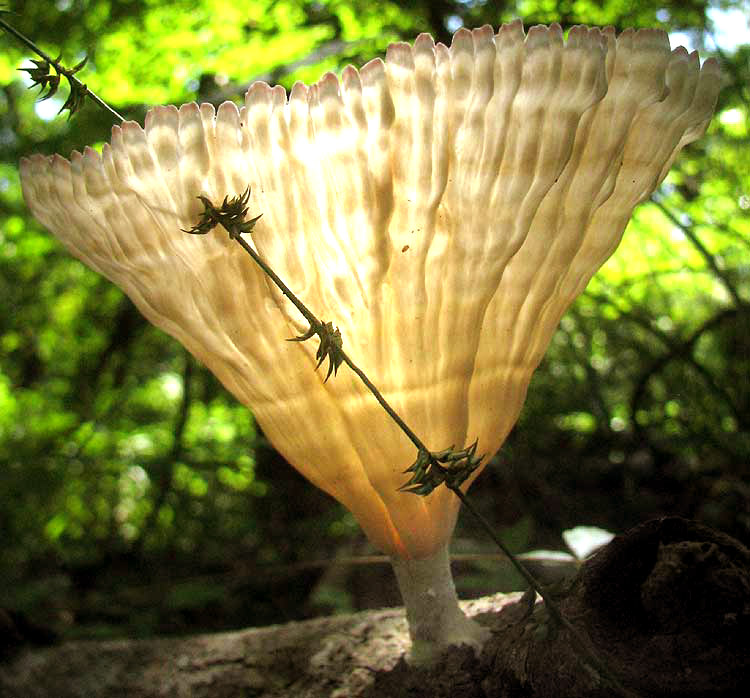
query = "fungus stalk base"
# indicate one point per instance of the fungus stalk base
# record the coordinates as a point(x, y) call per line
point(432, 611)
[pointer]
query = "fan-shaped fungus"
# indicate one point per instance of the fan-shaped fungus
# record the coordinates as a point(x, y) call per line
point(443, 208)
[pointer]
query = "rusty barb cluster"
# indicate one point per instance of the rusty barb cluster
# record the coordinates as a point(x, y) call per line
point(46, 74)
point(231, 214)
point(432, 469)
point(331, 345)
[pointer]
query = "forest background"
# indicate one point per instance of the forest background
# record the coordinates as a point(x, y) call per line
point(138, 498)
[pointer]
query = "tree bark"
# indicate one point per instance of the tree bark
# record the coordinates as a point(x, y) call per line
point(665, 606)
point(321, 658)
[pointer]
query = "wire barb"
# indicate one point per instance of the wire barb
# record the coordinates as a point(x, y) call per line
point(231, 214)
point(449, 467)
point(48, 73)
point(331, 345)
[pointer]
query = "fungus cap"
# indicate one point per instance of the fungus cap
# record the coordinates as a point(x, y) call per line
point(442, 207)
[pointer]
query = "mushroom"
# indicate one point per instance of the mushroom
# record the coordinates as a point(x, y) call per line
point(442, 207)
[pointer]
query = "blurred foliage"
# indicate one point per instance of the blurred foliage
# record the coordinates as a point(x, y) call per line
point(138, 497)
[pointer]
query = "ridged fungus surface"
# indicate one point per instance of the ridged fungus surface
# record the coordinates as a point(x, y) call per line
point(442, 207)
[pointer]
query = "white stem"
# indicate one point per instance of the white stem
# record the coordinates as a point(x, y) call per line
point(435, 620)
